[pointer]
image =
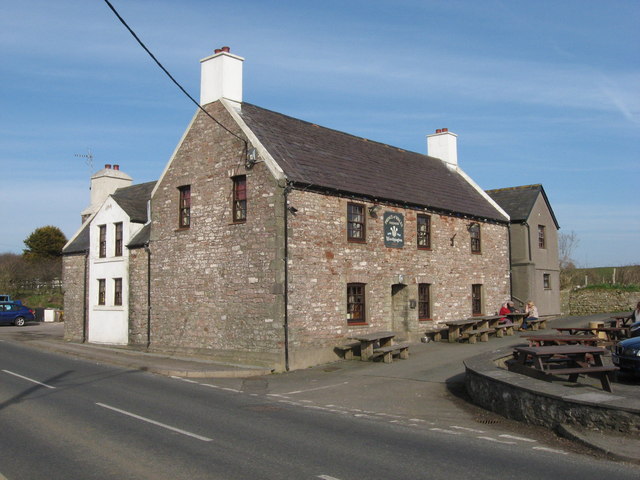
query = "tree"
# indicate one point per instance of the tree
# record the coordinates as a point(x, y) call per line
point(567, 242)
point(44, 243)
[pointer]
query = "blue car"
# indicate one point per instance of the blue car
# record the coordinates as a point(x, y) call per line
point(14, 313)
point(626, 355)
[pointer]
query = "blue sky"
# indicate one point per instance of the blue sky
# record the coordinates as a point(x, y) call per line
point(538, 92)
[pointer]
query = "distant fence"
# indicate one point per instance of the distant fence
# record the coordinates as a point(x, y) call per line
point(591, 301)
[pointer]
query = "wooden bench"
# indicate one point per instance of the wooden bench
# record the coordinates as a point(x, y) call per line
point(538, 324)
point(435, 333)
point(504, 329)
point(348, 349)
point(481, 333)
point(387, 352)
point(601, 372)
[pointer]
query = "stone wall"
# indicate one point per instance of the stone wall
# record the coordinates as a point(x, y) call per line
point(216, 287)
point(74, 281)
point(138, 298)
point(547, 404)
point(322, 263)
point(590, 301)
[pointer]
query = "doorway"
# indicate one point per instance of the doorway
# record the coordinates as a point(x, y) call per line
point(400, 308)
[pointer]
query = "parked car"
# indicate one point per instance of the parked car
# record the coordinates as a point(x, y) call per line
point(626, 355)
point(634, 330)
point(15, 313)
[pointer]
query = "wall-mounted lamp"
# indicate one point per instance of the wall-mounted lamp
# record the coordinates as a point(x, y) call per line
point(252, 158)
point(473, 226)
point(293, 210)
point(373, 209)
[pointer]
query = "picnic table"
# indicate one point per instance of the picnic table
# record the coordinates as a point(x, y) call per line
point(620, 321)
point(376, 344)
point(612, 334)
point(516, 317)
point(573, 360)
point(541, 340)
point(470, 328)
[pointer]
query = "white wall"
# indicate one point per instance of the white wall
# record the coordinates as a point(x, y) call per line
point(109, 323)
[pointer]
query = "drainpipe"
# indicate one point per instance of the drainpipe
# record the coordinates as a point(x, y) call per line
point(148, 250)
point(285, 195)
point(85, 305)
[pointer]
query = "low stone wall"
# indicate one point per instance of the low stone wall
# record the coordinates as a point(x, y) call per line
point(543, 403)
point(589, 301)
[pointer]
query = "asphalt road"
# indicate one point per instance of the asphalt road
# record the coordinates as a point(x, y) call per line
point(66, 418)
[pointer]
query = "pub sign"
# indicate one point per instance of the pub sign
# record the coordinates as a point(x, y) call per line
point(393, 230)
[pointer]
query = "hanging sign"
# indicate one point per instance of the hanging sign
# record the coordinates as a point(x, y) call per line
point(393, 230)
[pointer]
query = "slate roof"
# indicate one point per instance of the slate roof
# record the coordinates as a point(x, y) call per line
point(80, 243)
point(133, 200)
point(518, 202)
point(324, 159)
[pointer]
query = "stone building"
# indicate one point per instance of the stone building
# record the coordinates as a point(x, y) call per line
point(535, 264)
point(271, 239)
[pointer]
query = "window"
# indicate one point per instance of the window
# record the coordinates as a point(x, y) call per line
point(356, 228)
point(240, 198)
point(355, 303)
point(476, 299)
point(474, 231)
point(103, 241)
point(546, 281)
point(424, 231)
point(541, 237)
point(424, 301)
point(117, 291)
point(185, 206)
point(102, 287)
point(118, 251)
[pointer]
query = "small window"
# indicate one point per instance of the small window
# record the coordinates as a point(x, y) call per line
point(103, 241)
point(102, 290)
point(424, 301)
point(117, 291)
point(118, 251)
point(185, 206)
point(474, 232)
point(240, 198)
point(476, 299)
point(546, 280)
point(355, 303)
point(424, 231)
point(542, 243)
point(356, 227)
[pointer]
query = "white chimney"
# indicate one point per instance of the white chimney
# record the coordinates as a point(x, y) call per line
point(443, 145)
point(221, 77)
point(103, 184)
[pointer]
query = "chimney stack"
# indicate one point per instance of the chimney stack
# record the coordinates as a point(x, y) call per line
point(221, 77)
point(443, 145)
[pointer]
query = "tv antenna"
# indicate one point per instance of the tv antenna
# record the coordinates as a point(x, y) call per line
point(88, 158)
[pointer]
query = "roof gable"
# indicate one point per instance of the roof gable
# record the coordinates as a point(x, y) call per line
point(321, 158)
point(133, 200)
point(518, 202)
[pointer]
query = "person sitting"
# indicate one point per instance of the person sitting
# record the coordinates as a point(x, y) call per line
point(531, 314)
point(505, 309)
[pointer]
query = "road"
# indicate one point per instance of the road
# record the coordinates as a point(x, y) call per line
point(66, 418)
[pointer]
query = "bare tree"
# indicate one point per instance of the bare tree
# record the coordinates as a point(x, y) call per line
point(567, 243)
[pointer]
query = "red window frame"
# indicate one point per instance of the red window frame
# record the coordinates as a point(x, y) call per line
point(356, 223)
point(102, 291)
point(423, 232)
point(118, 239)
point(184, 217)
point(476, 299)
point(102, 241)
point(356, 304)
point(240, 199)
point(117, 291)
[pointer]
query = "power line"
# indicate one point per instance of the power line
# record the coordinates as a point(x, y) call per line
point(169, 74)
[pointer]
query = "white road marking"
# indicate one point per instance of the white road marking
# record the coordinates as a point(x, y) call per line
point(28, 379)
point(314, 389)
point(513, 437)
point(444, 430)
point(496, 440)
point(466, 429)
point(153, 422)
point(327, 477)
point(551, 450)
